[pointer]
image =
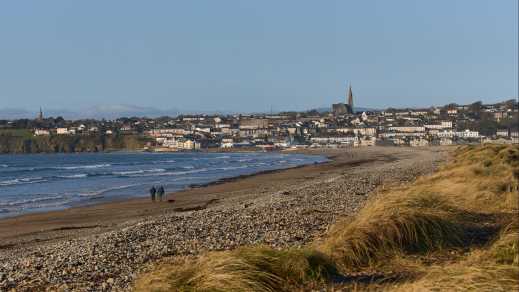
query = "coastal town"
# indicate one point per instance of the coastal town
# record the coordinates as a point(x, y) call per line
point(342, 125)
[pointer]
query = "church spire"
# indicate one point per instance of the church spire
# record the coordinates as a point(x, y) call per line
point(40, 114)
point(350, 98)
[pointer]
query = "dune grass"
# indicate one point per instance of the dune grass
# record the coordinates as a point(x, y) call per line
point(454, 230)
point(245, 269)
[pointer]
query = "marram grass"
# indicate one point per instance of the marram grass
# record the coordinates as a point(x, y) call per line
point(469, 207)
point(245, 269)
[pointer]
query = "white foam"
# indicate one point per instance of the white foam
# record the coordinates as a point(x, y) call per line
point(79, 175)
point(100, 192)
point(84, 166)
point(222, 157)
point(21, 181)
point(171, 173)
point(130, 172)
point(232, 167)
point(29, 201)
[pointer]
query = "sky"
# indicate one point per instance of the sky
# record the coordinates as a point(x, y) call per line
point(253, 56)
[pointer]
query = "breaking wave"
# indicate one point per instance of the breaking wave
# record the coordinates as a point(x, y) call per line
point(103, 191)
point(31, 201)
point(20, 181)
point(84, 166)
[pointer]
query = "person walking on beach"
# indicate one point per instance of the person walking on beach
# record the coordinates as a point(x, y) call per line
point(152, 193)
point(161, 192)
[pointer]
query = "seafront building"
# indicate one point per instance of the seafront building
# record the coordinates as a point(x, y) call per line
point(338, 127)
point(448, 125)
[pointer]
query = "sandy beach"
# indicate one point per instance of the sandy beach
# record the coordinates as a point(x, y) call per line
point(102, 247)
point(46, 226)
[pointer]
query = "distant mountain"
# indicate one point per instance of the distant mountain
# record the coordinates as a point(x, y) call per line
point(15, 113)
point(117, 111)
point(96, 112)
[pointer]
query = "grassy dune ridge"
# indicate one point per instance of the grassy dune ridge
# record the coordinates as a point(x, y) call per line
point(456, 229)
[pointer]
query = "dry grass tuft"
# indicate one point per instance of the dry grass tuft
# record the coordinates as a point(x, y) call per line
point(506, 249)
point(391, 225)
point(246, 269)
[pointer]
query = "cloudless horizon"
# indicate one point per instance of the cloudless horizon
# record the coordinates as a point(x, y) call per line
point(254, 56)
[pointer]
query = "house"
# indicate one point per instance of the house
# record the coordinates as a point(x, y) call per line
point(62, 131)
point(407, 129)
point(227, 143)
point(368, 141)
point(249, 124)
point(452, 112)
point(418, 142)
point(502, 133)
point(445, 141)
point(468, 134)
point(181, 144)
point(41, 132)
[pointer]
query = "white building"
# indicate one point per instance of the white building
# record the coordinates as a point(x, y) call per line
point(445, 141)
point(227, 143)
point(368, 141)
point(418, 143)
point(333, 140)
point(452, 112)
point(62, 131)
point(41, 132)
point(468, 134)
point(407, 129)
point(358, 131)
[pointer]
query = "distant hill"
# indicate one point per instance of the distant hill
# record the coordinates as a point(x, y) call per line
point(95, 112)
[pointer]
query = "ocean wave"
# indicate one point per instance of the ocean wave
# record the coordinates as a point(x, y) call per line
point(79, 175)
point(31, 201)
point(132, 172)
point(103, 191)
point(222, 157)
point(170, 173)
point(165, 161)
point(4, 165)
point(231, 167)
point(20, 181)
point(83, 166)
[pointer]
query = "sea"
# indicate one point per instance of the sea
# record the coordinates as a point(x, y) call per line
point(44, 182)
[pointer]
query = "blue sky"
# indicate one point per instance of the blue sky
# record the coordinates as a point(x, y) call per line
point(254, 55)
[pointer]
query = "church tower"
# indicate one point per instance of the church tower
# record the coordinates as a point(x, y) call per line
point(40, 115)
point(350, 98)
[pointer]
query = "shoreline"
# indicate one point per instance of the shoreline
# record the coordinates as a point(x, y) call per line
point(144, 195)
point(34, 223)
point(107, 200)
